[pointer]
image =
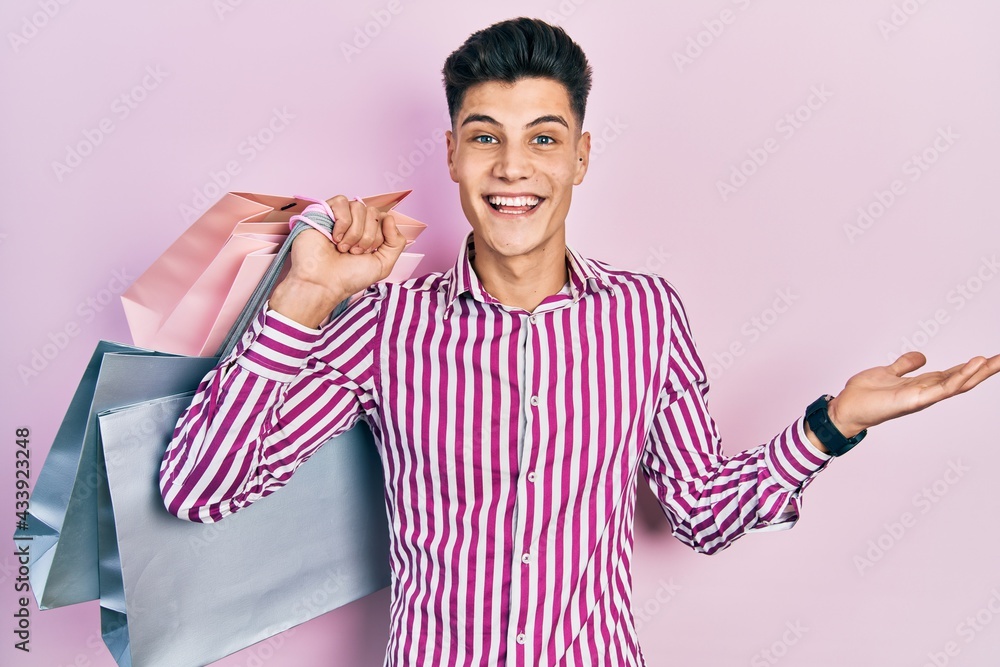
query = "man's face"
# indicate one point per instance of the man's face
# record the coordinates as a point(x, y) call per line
point(518, 140)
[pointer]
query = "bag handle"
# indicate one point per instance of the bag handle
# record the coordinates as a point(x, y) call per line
point(315, 219)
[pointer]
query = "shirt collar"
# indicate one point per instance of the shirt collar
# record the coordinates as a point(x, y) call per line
point(585, 277)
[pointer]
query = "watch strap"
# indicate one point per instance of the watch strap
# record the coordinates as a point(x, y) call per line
point(833, 440)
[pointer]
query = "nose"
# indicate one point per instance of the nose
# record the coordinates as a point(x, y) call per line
point(512, 162)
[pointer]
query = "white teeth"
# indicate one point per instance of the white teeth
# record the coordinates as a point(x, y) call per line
point(513, 201)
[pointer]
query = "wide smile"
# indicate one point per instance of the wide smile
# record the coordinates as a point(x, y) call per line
point(513, 207)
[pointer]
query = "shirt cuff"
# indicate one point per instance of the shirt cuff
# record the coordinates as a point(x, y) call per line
point(792, 458)
point(277, 347)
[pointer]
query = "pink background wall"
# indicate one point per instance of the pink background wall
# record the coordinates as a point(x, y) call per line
point(904, 102)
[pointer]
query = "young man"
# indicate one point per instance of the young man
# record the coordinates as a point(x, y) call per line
point(514, 398)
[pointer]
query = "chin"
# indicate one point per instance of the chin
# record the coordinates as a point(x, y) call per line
point(509, 242)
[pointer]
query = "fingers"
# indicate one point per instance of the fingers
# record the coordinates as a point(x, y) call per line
point(358, 217)
point(341, 207)
point(907, 362)
point(958, 379)
point(369, 217)
point(972, 373)
point(357, 227)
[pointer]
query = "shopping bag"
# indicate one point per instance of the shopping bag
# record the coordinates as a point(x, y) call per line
point(177, 593)
point(187, 299)
point(62, 515)
point(256, 262)
point(78, 510)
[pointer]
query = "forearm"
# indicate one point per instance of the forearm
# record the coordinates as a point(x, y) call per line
point(307, 303)
point(772, 478)
point(212, 465)
point(710, 499)
point(255, 418)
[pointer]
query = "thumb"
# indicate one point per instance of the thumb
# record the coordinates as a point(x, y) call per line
point(907, 362)
point(393, 238)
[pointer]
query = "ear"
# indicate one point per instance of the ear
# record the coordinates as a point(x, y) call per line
point(451, 155)
point(582, 157)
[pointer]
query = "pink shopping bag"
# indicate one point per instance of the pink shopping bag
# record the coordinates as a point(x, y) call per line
point(188, 299)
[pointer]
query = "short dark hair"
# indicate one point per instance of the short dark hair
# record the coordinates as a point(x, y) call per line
point(514, 49)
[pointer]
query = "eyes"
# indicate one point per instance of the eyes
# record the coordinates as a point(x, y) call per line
point(549, 140)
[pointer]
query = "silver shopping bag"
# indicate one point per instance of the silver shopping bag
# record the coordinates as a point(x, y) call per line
point(62, 518)
point(221, 587)
point(177, 593)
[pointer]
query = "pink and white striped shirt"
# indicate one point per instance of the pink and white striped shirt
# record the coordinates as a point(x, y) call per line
point(511, 442)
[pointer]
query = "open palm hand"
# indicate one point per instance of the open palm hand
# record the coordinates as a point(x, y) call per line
point(882, 393)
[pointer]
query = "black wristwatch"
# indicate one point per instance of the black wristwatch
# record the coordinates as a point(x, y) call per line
point(819, 421)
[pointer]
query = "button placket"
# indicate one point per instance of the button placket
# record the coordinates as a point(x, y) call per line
point(525, 493)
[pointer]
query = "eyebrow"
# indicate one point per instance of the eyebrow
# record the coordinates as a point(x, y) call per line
point(483, 118)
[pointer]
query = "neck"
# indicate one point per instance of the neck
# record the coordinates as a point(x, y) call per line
point(522, 281)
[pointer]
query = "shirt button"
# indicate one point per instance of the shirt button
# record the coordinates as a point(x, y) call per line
point(534, 400)
point(248, 337)
point(532, 319)
point(521, 638)
point(525, 558)
point(531, 476)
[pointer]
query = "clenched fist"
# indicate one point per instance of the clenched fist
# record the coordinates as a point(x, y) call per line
point(366, 244)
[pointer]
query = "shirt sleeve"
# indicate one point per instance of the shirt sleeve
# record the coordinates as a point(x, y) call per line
point(709, 499)
point(268, 406)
